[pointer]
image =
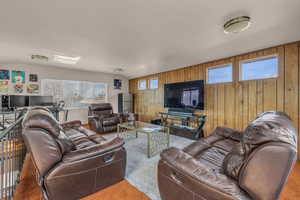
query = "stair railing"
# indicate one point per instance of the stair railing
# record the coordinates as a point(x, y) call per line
point(12, 155)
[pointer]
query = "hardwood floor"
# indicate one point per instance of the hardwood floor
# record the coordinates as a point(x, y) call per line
point(29, 190)
point(292, 188)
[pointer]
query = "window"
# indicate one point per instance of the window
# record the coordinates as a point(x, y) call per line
point(153, 83)
point(142, 84)
point(74, 93)
point(259, 69)
point(222, 74)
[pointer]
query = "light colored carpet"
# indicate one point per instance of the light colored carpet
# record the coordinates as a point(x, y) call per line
point(141, 171)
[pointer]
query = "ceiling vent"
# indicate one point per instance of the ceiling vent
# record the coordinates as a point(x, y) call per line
point(39, 58)
point(237, 25)
point(118, 70)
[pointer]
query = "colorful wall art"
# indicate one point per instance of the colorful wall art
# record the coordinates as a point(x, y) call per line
point(19, 88)
point(4, 86)
point(18, 77)
point(4, 74)
point(33, 88)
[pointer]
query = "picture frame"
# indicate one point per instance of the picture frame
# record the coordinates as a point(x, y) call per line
point(4, 74)
point(33, 78)
point(117, 84)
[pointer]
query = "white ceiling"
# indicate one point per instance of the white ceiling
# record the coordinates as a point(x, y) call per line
point(143, 37)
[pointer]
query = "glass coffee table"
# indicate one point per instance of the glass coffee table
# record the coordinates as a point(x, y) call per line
point(158, 137)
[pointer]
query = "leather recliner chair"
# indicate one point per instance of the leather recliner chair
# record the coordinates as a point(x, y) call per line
point(229, 164)
point(102, 119)
point(71, 161)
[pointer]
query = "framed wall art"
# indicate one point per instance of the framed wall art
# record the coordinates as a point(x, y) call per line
point(33, 78)
point(18, 77)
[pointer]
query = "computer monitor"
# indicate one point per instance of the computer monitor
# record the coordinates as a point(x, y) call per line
point(40, 101)
point(18, 101)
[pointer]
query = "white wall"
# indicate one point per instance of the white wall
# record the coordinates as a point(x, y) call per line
point(52, 72)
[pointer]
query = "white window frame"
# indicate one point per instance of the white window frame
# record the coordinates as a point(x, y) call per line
point(155, 78)
point(258, 59)
point(220, 66)
point(142, 80)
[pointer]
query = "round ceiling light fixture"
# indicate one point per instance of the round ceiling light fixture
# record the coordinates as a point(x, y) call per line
point(237, 24)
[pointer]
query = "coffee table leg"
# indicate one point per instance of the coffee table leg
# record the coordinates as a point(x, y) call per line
point(119, 131)
point(148, 145)
point(168, 137)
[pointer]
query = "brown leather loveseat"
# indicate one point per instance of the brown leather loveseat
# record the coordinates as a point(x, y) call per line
point(228, 165)
point(102, 119)
point(71, 161)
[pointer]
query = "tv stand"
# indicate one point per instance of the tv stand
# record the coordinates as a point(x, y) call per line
point(187, 119)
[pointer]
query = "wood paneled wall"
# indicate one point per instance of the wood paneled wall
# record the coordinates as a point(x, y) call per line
point(232, 104)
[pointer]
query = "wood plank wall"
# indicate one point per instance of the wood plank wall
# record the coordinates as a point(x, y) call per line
point(232, 104)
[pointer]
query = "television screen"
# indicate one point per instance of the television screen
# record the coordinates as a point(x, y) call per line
point(18, 101)
point(40, 100)
point(185, 95)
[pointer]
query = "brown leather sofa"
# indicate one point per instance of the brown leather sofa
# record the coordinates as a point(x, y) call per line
point(253, 164)
point(71, 161)
point(102, 119)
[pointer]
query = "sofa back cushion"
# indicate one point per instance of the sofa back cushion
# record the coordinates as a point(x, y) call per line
point(101, 109)
point(271, 126)
point(42, 119)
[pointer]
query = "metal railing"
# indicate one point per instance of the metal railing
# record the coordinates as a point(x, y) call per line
point(12, 155)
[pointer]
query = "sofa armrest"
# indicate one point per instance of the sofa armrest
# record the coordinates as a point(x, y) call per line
point(228, 133)
point(93, 117)
point(93, 150)
point(179, 160)
point(266, 170)
point(71, 124)
point(120, 116)
point(95, 123)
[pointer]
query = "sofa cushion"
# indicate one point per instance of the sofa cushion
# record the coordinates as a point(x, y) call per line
point(110, 121)
point(198, 176)
point(86, 131)
point(213, 155)
point(65, 143)
point(74, 134)
point(110, 128)
point(97, 139)
point(83, 143)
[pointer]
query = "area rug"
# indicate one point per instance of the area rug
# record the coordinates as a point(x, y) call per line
point(141, 171)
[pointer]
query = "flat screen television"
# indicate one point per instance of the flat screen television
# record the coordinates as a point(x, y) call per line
point(18, 101)
point(40, 101)
point(185, 95)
